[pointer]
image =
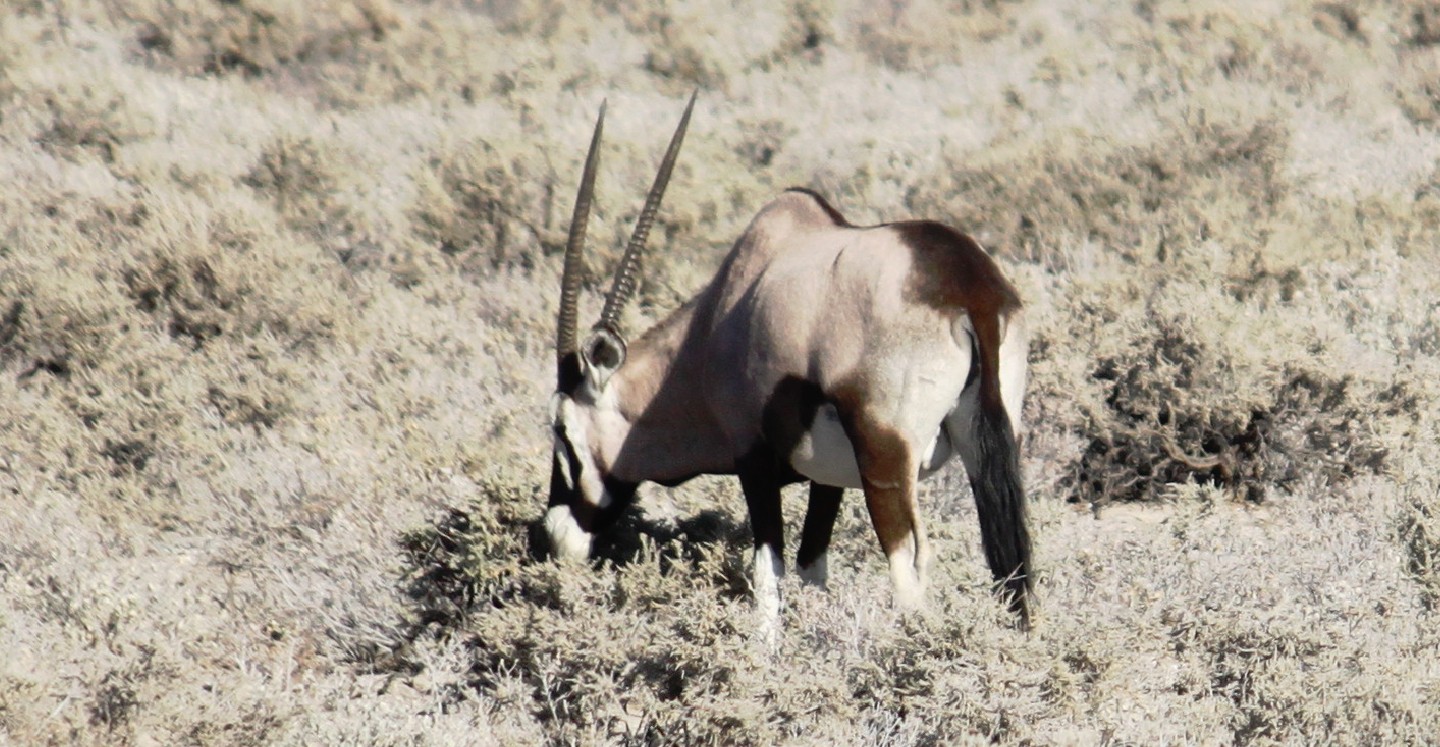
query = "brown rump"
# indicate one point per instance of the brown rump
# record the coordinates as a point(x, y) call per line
point(951, 271)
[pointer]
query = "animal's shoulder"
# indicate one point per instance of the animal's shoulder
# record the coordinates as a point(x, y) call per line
point(797, 210)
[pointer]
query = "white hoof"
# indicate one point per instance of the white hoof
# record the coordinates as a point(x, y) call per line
point(567, 540)
point(817, 573)
point(765, 582)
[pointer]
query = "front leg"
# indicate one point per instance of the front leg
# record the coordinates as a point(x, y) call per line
point(760, 480)
point(815, 538)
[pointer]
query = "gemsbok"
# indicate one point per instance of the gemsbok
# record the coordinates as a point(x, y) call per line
point(849, 356)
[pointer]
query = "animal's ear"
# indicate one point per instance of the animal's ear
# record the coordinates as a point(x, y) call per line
point(602, 353)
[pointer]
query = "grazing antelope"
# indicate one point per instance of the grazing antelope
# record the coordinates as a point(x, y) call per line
point(852, 357)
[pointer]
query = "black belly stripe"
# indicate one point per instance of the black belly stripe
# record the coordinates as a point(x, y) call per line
point(788, 415)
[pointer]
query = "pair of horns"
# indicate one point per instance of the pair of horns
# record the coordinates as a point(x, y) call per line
point(628, 271)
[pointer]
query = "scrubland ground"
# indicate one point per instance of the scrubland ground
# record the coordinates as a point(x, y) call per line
point(277, 282)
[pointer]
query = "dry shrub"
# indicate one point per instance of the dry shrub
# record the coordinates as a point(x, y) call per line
point(1420, 27)
point(1268, 379)
point(481, 207)
point(1419, 535)
point(488, 556)
point(202, 274)
point(302, 177)
point(132, 348)
point(1172, 417)
point(660, 651)
point(74, 341)
point(1418, 88)
point(471, 559)
point(189, 295)
point(698, 44)
point(261, 38)
point(57, 324)
point(87, 120)
point(1143, 202)
point(918, 36)
point(1271, 668)
point(1342, 228)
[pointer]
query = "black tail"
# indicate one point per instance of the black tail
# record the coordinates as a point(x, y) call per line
point(992, 460)
point(1000, 502)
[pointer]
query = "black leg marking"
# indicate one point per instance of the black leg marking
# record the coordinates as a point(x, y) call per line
point(819, 522)
point(760, 480)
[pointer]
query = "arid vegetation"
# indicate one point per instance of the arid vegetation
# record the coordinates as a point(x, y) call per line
point(277, 285)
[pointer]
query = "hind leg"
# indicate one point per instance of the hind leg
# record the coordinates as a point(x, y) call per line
point(888, 473)
point(815, 538)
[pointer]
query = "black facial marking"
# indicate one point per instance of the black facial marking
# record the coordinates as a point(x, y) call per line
point(561, 494)
point(563, 449)
point(591, 518)
point(569, 375)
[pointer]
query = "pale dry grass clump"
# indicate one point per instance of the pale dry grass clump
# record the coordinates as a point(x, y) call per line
point(276, 294)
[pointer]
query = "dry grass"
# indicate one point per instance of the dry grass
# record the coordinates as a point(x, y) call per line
point(276, 290)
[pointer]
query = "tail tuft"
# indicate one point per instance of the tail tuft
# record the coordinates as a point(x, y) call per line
point(1000, 503)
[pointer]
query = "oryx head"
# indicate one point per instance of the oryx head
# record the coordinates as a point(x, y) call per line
point(584, 418)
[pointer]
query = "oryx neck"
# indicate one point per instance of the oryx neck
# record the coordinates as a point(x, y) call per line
point(654, 360)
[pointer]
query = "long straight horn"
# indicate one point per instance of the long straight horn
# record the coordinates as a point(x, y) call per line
point(628, 273)
point(575, 246)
